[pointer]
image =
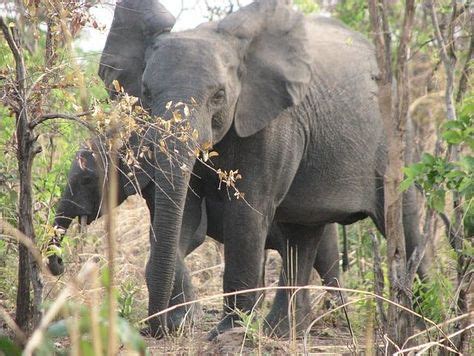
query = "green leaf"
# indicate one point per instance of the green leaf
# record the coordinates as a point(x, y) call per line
point(453, 137)
point(437, 200)
point(8, 347)
point(414, 170)
point(405, 184)
point(468, 163)
point(453, 124)
point(428, 159)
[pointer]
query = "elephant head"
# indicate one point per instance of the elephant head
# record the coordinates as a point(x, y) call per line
point(83, 194)
point(240, 73)
point(80, 198)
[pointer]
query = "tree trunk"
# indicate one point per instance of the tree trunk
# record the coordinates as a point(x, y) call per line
point(27, 268)
point(394, 112)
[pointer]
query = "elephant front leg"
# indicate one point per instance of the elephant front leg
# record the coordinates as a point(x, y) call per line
point(182, 293)
point(244, 255)
point(193, 233)
point(291, 310)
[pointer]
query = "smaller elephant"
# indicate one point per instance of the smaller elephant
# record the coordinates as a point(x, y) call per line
point(82, 198)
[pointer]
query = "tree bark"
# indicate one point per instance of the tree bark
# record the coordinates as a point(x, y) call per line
point(394, 112)
point(28, 270)
point(446, 46)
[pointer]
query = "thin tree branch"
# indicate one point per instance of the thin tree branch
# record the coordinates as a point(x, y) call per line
point(52, 116)
point(467, 69)
point(11, 41)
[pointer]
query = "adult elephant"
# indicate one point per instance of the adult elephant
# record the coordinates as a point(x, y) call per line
point(82, 198)
point(287, 99)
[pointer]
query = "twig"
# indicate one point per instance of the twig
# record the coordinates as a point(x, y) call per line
point(345, 250)
point(72, 117)
point(467, 69)
point(447, 322)
point(428, 345)
point(346, 314)
point(11, 41)
point(378, 279)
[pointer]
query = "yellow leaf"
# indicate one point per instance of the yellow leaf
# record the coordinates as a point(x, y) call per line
point(207, 145)
point(186, 111)
point(116, 85)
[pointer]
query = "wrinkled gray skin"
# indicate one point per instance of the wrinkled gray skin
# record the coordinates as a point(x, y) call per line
point(289, 101)
point(82, 197)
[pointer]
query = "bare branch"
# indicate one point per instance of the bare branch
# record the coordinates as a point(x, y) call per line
point(379, 41)
point(448, 59)
point(71, 117)
point(467, 69)
point(11, 41)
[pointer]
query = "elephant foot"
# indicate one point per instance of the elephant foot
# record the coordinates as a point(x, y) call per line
point(178, 318)
point(227, 323)
point(148, 331)
point(278, 325)
point(333, 299)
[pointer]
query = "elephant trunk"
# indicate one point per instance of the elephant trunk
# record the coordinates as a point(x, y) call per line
point(170, 197)
point(61, 222)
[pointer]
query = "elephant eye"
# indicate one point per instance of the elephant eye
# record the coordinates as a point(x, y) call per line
point(218, 97)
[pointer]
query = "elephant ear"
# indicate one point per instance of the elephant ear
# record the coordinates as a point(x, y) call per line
point(135, 25)
point(276, 68)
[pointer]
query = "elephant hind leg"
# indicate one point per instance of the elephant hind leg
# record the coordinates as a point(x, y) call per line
point(326, 264)
point(291, 310)
point(411, 226)
point(327, 257)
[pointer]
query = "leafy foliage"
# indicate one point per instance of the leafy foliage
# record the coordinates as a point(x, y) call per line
point(307, 6)
point(437, 176)
point(434, 298)
point(354, 13)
